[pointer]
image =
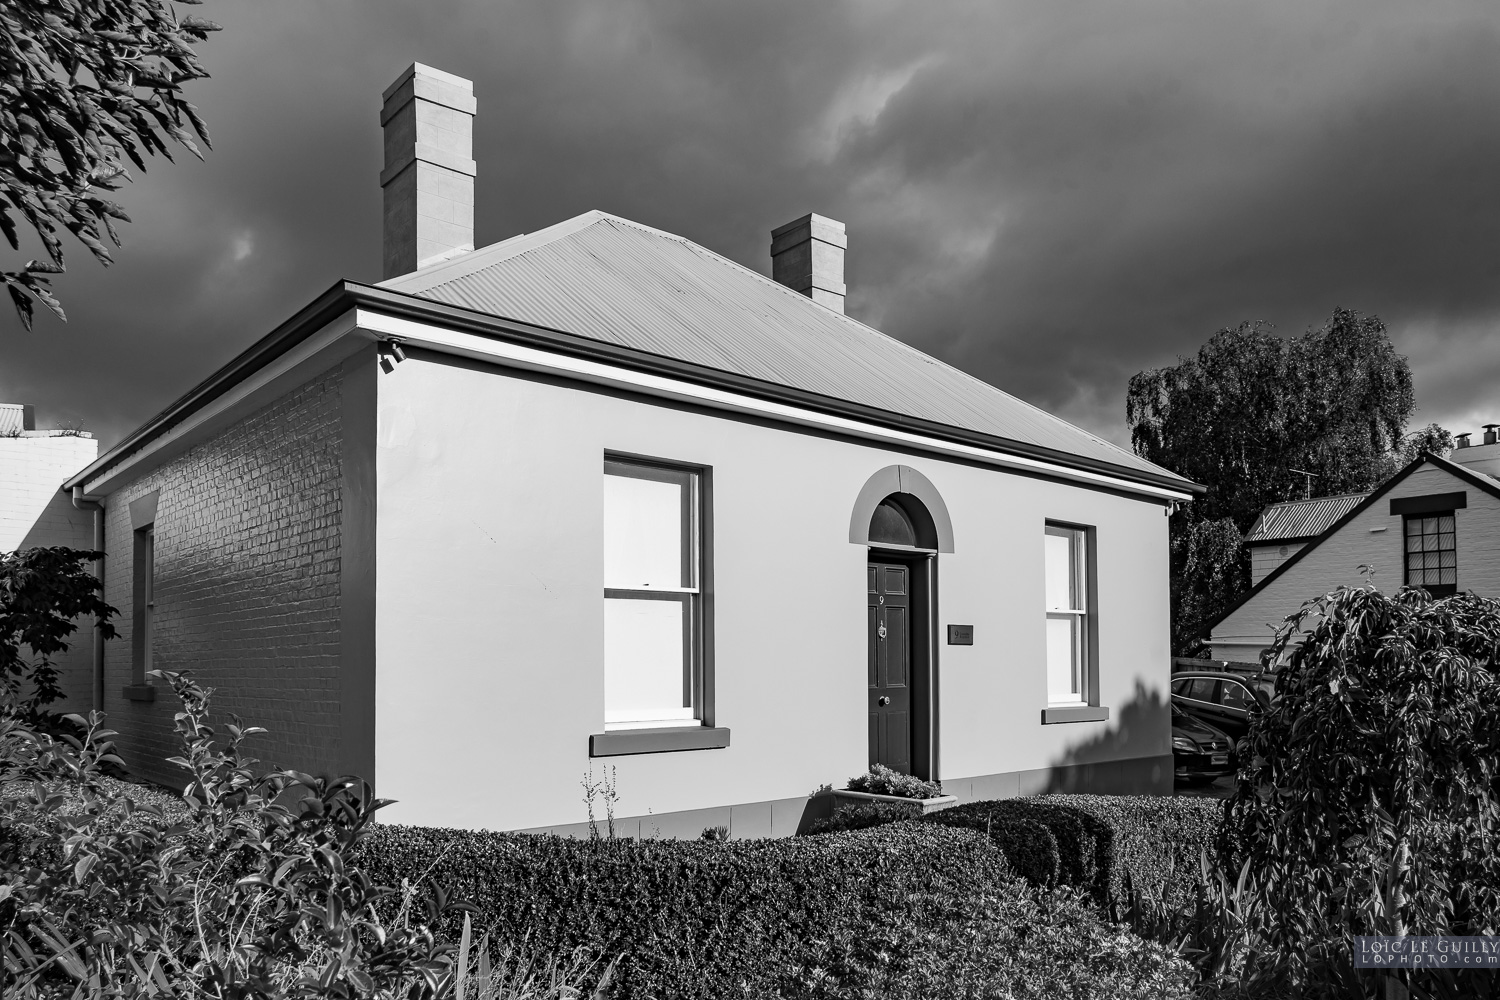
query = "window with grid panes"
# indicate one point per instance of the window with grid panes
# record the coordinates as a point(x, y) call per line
point(1432, 553)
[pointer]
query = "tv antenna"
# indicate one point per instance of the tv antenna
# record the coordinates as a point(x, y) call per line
point(1307, 492)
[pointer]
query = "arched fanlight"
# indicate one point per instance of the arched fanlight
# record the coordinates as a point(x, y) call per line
point(890, 525)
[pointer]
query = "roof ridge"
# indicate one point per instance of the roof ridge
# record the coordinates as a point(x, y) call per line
point(446, 271)
point(1331, 496)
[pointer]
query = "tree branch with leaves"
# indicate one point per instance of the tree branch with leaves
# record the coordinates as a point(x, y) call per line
point(1249, 416)
point(85, 86)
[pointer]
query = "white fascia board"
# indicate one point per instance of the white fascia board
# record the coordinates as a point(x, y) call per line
point(437, 338)
point(253, 392)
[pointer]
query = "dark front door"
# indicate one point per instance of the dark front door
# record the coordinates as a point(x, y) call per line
point(890, 665)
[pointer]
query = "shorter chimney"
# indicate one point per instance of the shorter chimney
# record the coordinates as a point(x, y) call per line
point(1463, 440)
point(807, 256)
point(428, 180)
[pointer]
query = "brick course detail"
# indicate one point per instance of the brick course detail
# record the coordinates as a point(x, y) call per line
point(247, 585)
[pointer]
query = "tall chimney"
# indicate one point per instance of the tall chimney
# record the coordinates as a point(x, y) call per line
point(807, 256)
point(428, 180)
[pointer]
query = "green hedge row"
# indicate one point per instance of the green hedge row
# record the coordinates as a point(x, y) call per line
point(1088, 842)
point(862, 816)
point(1156, 839)
point(1029, 845)
point(906, 909)
point(695, 918)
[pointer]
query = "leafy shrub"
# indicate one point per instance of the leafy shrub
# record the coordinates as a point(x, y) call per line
point(881, 780)
point(1028, 845)
point(1368, 803)
point(243, 892)
point(1041, 946)
point(1075, 836)
point(482, 974)
point(824, 916)
point(1153, 840)
point(862, 816)
point(41, 591)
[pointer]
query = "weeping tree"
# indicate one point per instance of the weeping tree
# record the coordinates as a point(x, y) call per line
point(1248, 416)
point(86, 86)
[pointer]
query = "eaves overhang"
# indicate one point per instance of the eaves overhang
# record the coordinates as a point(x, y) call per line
point(352, 310)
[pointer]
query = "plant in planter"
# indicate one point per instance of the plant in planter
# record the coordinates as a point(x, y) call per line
point(881, 780)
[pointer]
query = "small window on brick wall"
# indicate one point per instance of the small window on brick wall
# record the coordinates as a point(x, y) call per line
point(143, 617)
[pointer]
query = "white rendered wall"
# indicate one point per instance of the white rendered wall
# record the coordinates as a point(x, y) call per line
point(32, 469)
point(34, 512)
point(1374, 539)
point(490, 607)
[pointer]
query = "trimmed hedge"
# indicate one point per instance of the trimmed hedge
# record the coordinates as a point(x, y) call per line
point(695, 918)
point(1075, 836)
point(1157, 839)
point(907, 909)
point(1027, 844)
point(862, 816)
point(1089, 842)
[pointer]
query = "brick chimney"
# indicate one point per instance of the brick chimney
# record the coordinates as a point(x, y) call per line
point(428, 180)
point(807, 256)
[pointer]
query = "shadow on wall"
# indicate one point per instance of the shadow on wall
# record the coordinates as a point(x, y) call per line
point(1133, 755)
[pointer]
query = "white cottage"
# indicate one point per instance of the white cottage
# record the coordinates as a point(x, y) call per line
point(598, 497)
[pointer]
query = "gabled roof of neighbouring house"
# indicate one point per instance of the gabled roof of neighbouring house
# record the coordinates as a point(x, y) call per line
point(624, 284)
point(1297, 520)
point(1364, 502)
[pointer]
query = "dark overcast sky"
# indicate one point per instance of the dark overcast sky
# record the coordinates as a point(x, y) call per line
point(1051, 196)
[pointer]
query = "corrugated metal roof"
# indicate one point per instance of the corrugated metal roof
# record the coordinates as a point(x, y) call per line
point(608, 279)
point(12, 418)
point(1281, 522)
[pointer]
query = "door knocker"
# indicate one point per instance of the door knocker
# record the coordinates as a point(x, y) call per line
point(881, 630)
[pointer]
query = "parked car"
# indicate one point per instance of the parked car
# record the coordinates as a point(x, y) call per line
point(1199, 751)
point(1222, 700)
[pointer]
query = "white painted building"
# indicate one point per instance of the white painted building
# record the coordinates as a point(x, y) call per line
point(36, 512)
point(1435, 524)
point(596, 496)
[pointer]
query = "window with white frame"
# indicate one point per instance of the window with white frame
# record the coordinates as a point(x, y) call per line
point(1067, 591)
point(653, 612)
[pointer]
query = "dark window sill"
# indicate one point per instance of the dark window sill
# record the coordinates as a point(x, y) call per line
point(1074, 713)
point(629, 741)
point(140, 692)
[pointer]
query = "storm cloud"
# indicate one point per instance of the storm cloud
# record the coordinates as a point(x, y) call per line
point(1050, 196)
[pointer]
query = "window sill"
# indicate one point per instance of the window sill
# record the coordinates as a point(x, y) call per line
point(1074, 713)
point(619, 742)
point(140, 692)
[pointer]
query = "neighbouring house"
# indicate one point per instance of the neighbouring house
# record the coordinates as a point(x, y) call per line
point(33, 514)
point(1435, 524)
point(596, 497)
point(1284, 529)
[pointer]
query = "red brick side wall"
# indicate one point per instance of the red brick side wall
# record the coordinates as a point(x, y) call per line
point(247, 585)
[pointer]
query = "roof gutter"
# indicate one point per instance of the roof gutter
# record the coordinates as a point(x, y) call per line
point(348, 295)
